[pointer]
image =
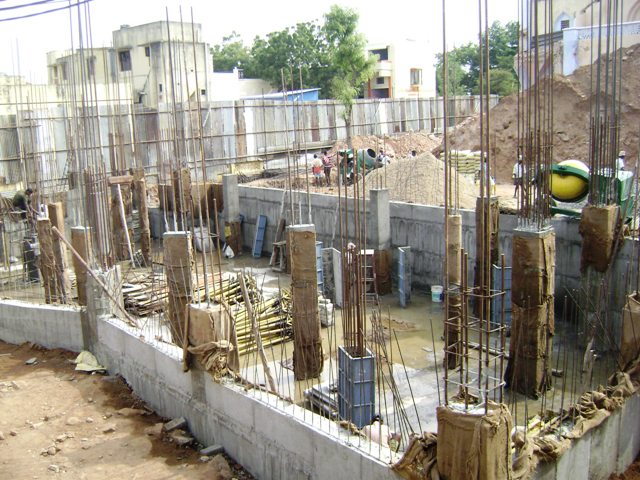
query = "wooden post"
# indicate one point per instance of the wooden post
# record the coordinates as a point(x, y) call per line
point(140, 188)
point(56, 215)
point(307, 351)
point(120, 200)
point(81, 241)
point(178, 263)
point(47, 260)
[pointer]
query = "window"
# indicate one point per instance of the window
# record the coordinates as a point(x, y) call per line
point(125, 60)
point(564, 24)
point(63, 69)
point(160, 88)
point(379, 80)
point(91, 66)
point(147, 51)
point(382, 53)
point(203, 92)
point(416, 76)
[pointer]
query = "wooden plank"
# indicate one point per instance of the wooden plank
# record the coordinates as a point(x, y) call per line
point(120, 180)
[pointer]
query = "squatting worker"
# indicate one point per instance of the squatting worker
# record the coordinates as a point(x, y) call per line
point(620, 161)
point(518, 175)
point(22, 202)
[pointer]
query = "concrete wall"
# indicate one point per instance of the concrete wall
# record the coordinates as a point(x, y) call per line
point(270, 439)
point(610, 447)
point(47, 325)
point(421, 228)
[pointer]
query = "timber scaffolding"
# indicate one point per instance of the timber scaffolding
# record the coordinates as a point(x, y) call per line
point(174, 272)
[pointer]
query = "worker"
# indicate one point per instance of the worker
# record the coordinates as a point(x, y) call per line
point(327, 163)
point(316, 169)
point(518, 175)
point(22, 203)
point(383, 158)
point(620, 161)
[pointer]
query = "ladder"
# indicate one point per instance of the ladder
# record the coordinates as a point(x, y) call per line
point(368, 276)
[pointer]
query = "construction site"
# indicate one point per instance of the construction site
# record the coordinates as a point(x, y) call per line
point(453, 296)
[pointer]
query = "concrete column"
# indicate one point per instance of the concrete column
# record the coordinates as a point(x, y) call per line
point(47, 260)
point(532, 328)
point(81, 241)
point(231, 197)
point(178, 265)
point(380, 225)
point(56, 215)
point(307, 350)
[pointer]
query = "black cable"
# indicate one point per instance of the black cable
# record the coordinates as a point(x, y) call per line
point(80, 2)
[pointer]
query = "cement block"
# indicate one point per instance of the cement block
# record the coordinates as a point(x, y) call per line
point(545, 471)
point(629, 437)
point(174, 424)
point(604, 447)
point(574, 463)
point(212, 450)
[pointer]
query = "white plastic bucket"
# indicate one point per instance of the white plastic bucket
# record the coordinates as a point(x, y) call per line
point(436, 293)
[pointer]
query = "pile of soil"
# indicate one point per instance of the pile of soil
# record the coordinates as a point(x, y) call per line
point(398, 145)
point(421, 180)
point(572, 98)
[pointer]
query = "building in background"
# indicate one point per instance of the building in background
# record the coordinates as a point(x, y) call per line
point(404, 70)
point(162, 62)
point(575, 34)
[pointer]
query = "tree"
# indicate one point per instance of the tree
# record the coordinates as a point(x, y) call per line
point(331, 56)
point(351, 65)
point(464, 63)
point(231, 54)
point(295, 51)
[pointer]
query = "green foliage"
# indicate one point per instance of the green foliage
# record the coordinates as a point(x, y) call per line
point(231, 53)
point(464, 63)
point(352, 66)
point(330, 56)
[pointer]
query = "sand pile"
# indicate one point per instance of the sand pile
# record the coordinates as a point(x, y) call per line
point(420, 180)
point(572, 102)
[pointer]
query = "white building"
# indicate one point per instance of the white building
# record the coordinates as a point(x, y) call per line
point(405, 69)
point(575, 33)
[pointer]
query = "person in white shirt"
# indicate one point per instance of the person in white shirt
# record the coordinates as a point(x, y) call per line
point(518, 175)
point(620, 161)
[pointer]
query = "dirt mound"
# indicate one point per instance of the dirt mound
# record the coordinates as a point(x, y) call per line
point(399, 145)
point(421, 180)
point(572, 98)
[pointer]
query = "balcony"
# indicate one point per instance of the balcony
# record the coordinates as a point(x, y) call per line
point(384, 68)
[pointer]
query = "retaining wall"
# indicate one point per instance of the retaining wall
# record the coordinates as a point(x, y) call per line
point(421, 228)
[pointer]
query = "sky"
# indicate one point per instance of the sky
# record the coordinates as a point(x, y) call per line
point(25, 42)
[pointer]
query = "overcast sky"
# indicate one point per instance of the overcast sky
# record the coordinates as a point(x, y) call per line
point(31, 38)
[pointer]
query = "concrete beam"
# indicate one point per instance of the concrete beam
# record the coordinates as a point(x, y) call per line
point(231, 197)
point(380, 222)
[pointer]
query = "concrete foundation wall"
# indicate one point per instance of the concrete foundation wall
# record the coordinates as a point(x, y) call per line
point(422, 228)
point(272, 443)
point(47, 325)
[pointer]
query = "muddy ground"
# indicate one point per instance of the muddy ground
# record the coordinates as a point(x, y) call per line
point(59, 423)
